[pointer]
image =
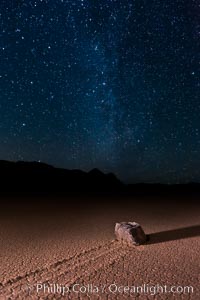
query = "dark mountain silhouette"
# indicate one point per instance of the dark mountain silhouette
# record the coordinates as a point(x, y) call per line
point(40, 178)
point(35, 177)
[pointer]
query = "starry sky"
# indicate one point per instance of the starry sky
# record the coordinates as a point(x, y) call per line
point(108, 84)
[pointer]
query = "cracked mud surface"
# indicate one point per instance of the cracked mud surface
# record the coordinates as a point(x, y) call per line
point(75, 245)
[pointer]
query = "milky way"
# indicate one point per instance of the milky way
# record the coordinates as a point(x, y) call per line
point(110, 84)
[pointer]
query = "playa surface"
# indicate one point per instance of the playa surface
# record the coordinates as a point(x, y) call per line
point(67, 249)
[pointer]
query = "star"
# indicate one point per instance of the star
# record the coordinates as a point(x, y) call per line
point(102, 84)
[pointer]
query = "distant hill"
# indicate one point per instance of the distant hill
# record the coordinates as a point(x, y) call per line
point(35, 178)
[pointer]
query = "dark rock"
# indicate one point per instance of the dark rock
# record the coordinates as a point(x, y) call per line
point(130, 232)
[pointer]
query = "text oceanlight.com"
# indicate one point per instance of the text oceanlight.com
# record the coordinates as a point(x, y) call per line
point(113, 288)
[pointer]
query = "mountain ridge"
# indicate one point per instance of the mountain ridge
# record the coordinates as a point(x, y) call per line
point(33, 177)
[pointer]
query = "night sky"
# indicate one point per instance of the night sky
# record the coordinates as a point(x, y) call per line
point(112, 84)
